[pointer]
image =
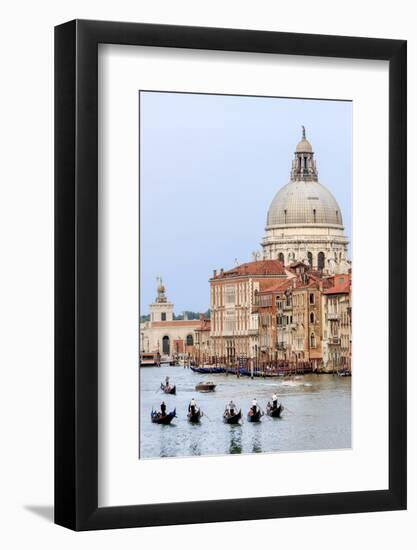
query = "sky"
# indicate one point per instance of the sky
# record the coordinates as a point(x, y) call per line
point(210, 166)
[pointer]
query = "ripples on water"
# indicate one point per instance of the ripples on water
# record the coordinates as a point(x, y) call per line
point(317, 414)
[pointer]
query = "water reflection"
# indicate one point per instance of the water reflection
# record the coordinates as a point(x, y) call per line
point(235, 446)
point(256, 438)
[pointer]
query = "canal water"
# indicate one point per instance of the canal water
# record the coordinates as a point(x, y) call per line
point(316, 416)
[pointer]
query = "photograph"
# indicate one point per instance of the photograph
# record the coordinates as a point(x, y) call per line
point(245, 274)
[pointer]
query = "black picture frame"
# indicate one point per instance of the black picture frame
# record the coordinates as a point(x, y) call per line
point(76, 272)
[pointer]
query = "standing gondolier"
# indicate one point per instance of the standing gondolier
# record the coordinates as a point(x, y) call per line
point(192, 406)
point(231, 406)
point(163, 408)
point(274, 401)
point(254, 405)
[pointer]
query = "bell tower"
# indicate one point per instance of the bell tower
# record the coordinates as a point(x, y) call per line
point(161, 309)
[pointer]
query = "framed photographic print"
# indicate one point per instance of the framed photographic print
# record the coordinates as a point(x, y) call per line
point(230, 337)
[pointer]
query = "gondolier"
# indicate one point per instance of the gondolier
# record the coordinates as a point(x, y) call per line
point(192, 406)
point(163, 408)
point(167, 381)
point(254, 405)
point(274, 401)
point(231, 406)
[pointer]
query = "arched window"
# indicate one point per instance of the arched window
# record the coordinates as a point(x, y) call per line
point(312, 341)
point(281, 257)
point(189, 340)
point(165, 345)
point(320, 260)
point(310, 258)
point(311, 317)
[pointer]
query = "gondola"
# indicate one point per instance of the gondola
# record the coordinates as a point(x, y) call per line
point(275, 412)
point(169, 389)
point(232, 419)
point(254, 417)
point(196, 416)
point(157, 418)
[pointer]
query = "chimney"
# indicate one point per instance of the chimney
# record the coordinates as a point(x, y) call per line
point(214, 273)
point(221, 272)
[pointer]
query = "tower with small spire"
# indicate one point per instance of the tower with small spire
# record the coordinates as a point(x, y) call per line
point(161, 309)
point(304, 166)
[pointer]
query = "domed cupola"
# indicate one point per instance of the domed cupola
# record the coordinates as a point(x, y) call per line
point(304, 165)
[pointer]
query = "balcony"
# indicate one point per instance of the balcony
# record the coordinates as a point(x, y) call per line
point(333, 316)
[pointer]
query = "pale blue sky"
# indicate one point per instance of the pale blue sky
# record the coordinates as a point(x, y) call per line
point(210, 166)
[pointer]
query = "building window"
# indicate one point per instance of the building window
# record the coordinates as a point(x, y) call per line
point(311, 298)
point(281, 257)
point(310, 258)
point(165, 345)
point(312, 341)
point(163, 316)
point(190, 340)
point(311, 317)
point(320, 260)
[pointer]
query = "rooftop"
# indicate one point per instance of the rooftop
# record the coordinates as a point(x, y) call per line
point(257, 268)
point(341, 285)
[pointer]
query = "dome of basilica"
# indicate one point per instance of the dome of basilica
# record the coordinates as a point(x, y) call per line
point(304, 202)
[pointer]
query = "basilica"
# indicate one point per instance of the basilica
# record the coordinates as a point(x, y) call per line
point(304, 222)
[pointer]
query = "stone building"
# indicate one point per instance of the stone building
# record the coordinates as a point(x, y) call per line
point(307, 316)
point(337, 324)
point(304, 221)
point(306, 319)
point(274, 309)
point(165, 335)
point(233, 320)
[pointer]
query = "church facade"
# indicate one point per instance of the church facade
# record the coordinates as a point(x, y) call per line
point(166, 336)
point(304, 221)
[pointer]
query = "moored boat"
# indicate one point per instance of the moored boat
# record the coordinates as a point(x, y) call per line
point(205, 387)
point(344, 372)
point(208, 370)
point(158, 418)
point(275, 412)
point(150, 359)
point(230, 418)
point(169, 389)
